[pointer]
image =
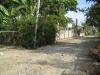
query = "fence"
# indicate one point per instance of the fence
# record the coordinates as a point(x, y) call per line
point(8, 37)
point(63, 34)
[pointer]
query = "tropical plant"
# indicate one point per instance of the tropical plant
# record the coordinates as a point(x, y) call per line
point(20, 15)
point(13, 9)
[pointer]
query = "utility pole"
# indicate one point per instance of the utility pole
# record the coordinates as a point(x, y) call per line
point(76, 28)
point(36, 26)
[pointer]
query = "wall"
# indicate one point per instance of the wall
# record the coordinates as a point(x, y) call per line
point(63, 34)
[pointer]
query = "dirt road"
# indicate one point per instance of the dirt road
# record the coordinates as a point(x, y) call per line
point(67, 57)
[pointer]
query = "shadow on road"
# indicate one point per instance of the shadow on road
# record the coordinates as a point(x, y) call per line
point(79, 48)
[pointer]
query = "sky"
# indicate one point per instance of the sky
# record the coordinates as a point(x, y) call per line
point(79, 15)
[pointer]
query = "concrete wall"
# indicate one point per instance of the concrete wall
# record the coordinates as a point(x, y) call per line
point(65, 34)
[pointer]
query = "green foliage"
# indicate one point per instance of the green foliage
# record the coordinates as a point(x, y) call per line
point(46, 32)
point(47, 28)
point(98, 34)
point(3, 10)
point(94, 13)
point(94, 0)
point(20, 15)
point(57, 8)
point(93, 16)
point(88, 30)
point(25, 27)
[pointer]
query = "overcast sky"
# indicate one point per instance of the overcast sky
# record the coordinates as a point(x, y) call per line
point(79, 15)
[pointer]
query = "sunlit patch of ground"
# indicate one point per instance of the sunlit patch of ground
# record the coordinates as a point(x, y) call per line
point(66, 57)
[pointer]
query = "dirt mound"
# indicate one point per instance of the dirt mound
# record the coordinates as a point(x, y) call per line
point(95, 52)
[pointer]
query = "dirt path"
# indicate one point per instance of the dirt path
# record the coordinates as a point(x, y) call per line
point(67, 57)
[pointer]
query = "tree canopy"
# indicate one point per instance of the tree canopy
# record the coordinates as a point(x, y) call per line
point(94, 0)
point(12, 9)
point(93, 15)
point(20, 16)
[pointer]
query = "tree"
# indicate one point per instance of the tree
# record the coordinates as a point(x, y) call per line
point(58, 8)
point(93, 15)
point(15, 8)
point(20, 15)
point(94, 0)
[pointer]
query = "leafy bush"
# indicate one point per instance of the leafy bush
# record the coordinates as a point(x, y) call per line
point(26, 31)
point(98, 34)
point(46, 32)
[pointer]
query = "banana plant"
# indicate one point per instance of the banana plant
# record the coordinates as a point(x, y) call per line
point(18, 7)
point(25, 7)
point(3, 10)
point(12, 9)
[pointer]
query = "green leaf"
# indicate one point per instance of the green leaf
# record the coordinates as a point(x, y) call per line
point(4, 10)
point(24, 1)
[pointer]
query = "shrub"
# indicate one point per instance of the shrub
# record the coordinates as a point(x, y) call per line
point(26, 31)
point(49, 30)
point(46, 32)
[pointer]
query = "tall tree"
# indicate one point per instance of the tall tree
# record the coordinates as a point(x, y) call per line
point(12, 9)
point(58, 8)
point(94, 0)
point(93, 16)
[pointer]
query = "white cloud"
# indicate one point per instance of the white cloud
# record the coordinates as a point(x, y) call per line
point(79, 16)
